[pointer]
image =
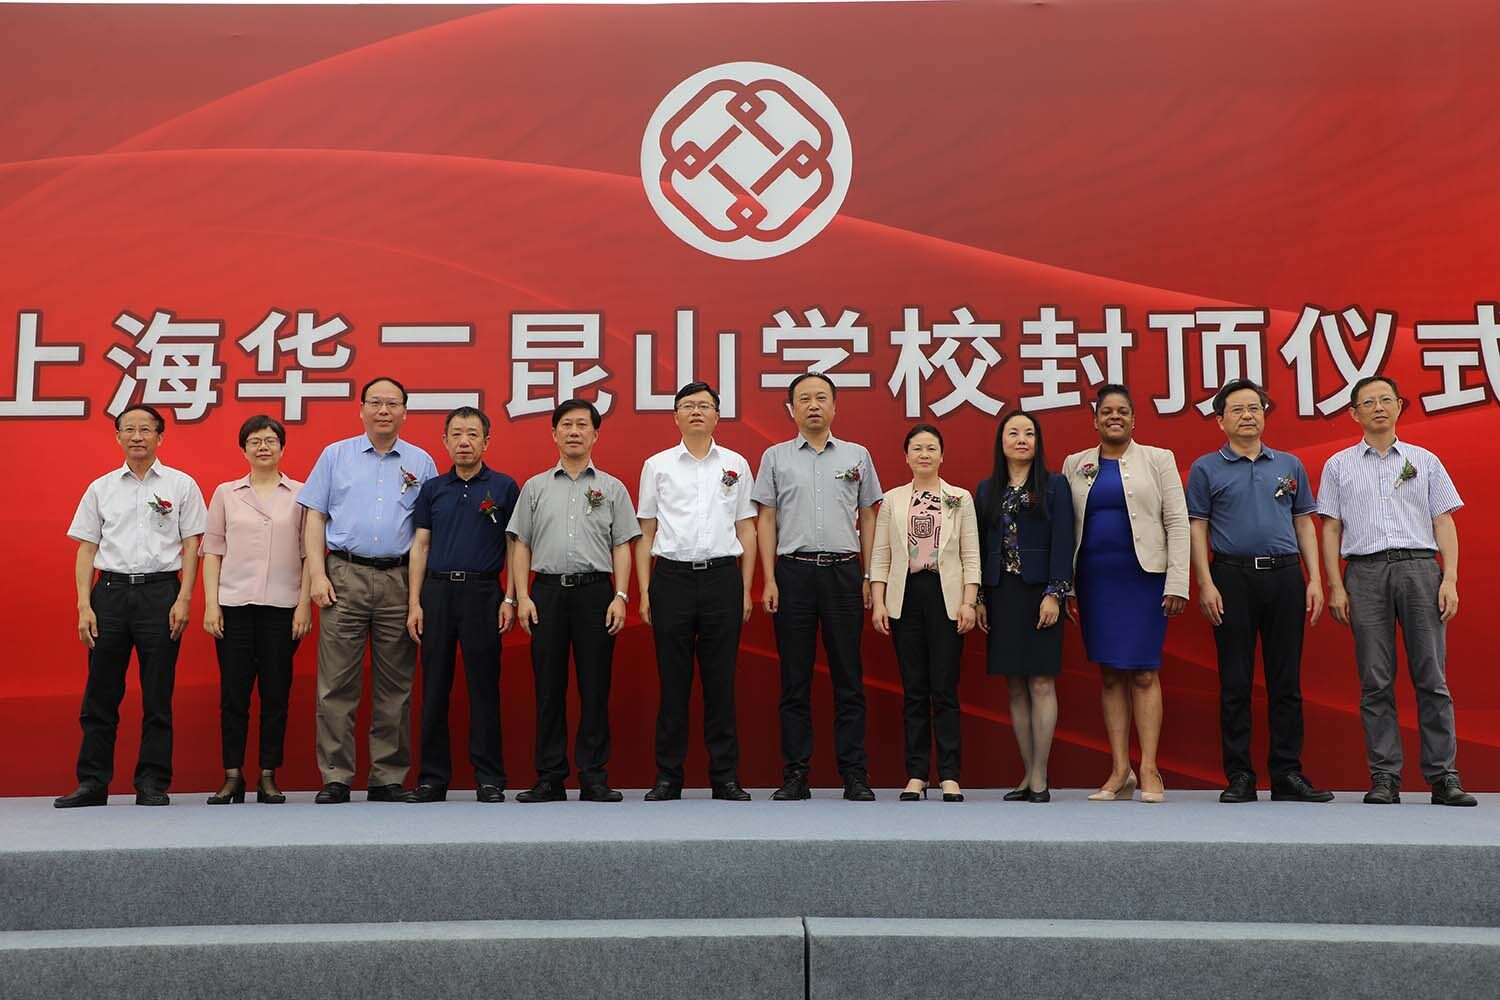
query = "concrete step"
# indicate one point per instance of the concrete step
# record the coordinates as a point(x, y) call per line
point(667, 959)
point(1146, 960)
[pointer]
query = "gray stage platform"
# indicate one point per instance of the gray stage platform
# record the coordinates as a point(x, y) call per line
point(701, 898)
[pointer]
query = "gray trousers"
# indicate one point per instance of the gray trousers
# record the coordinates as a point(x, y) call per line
point(1381, 595)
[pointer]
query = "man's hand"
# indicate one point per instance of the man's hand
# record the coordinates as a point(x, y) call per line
point(982, 618)
point(526, 614)
point(749, 607)
point(507, 617)
point(770, 597)
point(177, 618)
point(88, 626)
point(646, 607)
point(414, 622)
point(1211, 603)
point(213, 620)
point(1448, 600)
point(868, 596)
point(1338, 604)
point(322, 591)
point(1314, 601)
point(614, 615)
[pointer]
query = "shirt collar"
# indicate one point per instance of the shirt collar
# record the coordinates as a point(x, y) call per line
point(155, 470)
point(681, 451)
point(370, 445)
point(1230, 455)
point(800, 441)
point(244, 482)
point(587, 469)
point(1369, 448)
point(452, 474)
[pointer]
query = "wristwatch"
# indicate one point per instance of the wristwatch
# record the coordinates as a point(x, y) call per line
point(511, 601)
point(623, 596)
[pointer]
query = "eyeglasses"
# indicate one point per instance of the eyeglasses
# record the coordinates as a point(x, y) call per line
point(132, 430)
point(384, 404)
point(268, 442)
point(699, 407)
point(1389, 402)
point(1240, 411)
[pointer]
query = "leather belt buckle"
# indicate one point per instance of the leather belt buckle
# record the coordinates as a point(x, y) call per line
point(1265, 562)
point(136, 579)
point(700, 564)
point(458, 577)
point(568, 579)
point(823, 559)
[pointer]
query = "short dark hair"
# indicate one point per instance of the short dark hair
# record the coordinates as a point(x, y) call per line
point(161, 423)
point(922, 429)
point(1112, 389)
point(261, 422)
point(692, 389)
point(567, 406)
point(791, 390)
point(1360, 385)
point(364, 389)
point(1239, 385)
point(467, 411)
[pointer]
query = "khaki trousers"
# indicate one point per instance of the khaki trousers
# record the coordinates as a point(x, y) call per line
point(371, 608)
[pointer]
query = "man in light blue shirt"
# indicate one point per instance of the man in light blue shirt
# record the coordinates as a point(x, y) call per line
point(359, 499)
point(1387, 507)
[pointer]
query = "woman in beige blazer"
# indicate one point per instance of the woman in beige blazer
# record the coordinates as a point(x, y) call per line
point(925, 584)
point(1131, 575)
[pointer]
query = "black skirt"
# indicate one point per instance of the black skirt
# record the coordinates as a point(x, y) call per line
point(1017, 648)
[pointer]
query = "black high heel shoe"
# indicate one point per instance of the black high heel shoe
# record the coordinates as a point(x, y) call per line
point(914, 796)
point(267, 792)
point(233, 791)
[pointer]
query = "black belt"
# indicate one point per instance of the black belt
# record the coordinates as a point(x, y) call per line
point(374, 562)
point(821, 558)
point(1394, 555)
point(1257, 562)
point(463, 576)
point(573, 579)
point(134, 579)
point(698, 565)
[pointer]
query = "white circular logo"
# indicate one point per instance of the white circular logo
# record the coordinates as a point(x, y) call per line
point(746, 160)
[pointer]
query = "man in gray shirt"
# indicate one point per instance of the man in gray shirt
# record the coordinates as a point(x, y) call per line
point(573, 526)
point(811, 491)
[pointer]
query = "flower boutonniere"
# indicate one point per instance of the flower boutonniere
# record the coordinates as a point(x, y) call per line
point(1286, 486)
point(593, 498)
point(1089, 471)
point(160, 506)
point(849, 475)
point(728, 480)
point(1408, 473)
point(487, 507)
point(952, 502)
point(407, 480)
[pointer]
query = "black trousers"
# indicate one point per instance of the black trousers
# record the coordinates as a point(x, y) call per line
point(256, 651)
point(697, 614)
point(928, 651)
point(572, 618)
point(130, 618)
point(1269, 605)
point(833, 597)
point(461, 615)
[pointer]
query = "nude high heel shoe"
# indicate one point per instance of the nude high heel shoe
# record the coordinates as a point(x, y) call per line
point(1125, 793)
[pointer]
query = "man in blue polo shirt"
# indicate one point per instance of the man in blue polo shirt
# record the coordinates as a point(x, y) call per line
point(454, 592)
point(359, 497)
point(1252, 508)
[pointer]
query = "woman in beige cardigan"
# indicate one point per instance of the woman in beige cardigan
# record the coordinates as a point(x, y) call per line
point(1131, 575)
point(925, 585)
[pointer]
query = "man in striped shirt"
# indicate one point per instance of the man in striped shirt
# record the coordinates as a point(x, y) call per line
point(1387, 507)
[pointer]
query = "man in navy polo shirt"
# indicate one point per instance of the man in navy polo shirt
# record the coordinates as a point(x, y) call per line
point(1253, 509)
point(457, 553)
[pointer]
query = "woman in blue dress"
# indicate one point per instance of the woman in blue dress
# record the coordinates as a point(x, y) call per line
point(1131, 575)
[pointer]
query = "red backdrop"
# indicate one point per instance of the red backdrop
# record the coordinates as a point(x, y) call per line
point(381, 166)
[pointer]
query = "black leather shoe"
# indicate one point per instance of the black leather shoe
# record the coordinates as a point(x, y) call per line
point(385, 793)
point(1294, 787)
point(664, 791)
point(1385, 789)
point(151, 797)
point(857, 787)
point(1045, 795)
point(1241, 788)
point(332, 793)
point(232, 792)
point(544, 791)
point(598, 793)
point(1018, 794)
point(730, 791)
point(426, 793)
point(490, 793)
point(86, 794)
point(793, 789)
point(1446, 791)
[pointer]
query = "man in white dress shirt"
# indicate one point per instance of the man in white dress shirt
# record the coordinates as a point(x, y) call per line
point(698, 522)
point(138, 526)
